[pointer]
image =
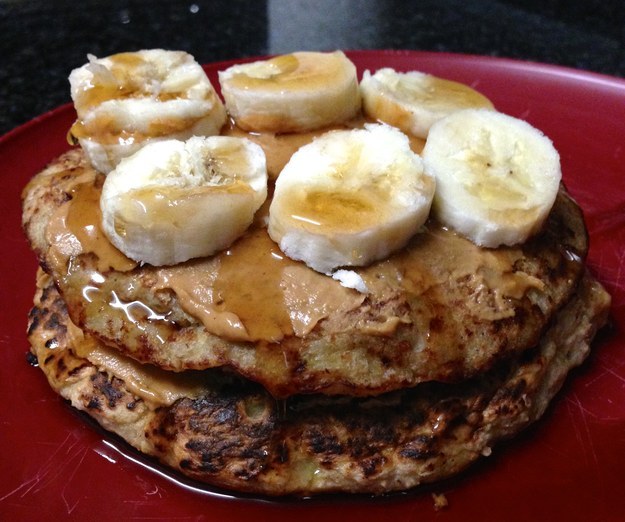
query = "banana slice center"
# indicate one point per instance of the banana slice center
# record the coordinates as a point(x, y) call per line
point(500, 178)
point(497, 176)
point(350, 198)
point(414, 101)
point(307, 71)
point(337, 210)
point(173, 201)
point(130, 75)
point(292, 93)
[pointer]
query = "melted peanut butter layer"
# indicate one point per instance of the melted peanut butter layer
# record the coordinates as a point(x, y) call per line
point(76, 229)
point(253, 292)
point(143, 380)
point(441, 308)
point(280, 147)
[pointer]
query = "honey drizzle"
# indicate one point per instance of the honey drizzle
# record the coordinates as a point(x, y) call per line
point(242, 293)
point(124, 79)
point(84, 219)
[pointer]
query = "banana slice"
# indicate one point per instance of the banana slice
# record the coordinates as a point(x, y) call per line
point(413, 101)
point(173, 200)
point(292, 93)
point(497, 177)
point(350, 198)
point(129, 99)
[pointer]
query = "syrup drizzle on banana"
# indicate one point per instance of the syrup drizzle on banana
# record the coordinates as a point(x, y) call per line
point(348, 198)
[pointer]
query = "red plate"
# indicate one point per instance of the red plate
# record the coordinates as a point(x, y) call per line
point(56, 465)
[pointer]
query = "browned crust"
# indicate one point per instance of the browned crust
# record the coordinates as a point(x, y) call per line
point(237, 436)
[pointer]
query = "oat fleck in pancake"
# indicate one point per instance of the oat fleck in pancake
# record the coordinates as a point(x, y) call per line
point(442, 309)
point(231, 433)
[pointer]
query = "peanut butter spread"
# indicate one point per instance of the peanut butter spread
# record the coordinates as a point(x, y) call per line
point(143, 380)
point(280, 147)
point(439, 309)
point(75, 228)
point(252, 292)
point(240, 437)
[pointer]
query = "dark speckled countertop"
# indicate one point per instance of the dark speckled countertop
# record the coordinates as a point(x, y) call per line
point(42, 40)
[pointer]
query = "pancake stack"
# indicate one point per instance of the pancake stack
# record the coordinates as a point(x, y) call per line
point(450, 348)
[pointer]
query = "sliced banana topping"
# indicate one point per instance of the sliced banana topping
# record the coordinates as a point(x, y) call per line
point(413, 101)
point(350, 198)
point(173, 200)
point(126, 100)
point(497, 177)
point(292, 93)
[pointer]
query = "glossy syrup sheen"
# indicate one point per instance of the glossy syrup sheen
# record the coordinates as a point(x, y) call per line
point(124, 79)
point(570, 466)
point(106, 129)
point(247, 292)
point(293, 71)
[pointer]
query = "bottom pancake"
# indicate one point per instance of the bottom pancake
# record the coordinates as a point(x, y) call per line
point(228, 432)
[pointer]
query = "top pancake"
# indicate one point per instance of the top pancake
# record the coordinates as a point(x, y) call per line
point(441, 309)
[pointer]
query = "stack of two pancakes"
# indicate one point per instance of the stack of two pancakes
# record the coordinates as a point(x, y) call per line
point(251, 372)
